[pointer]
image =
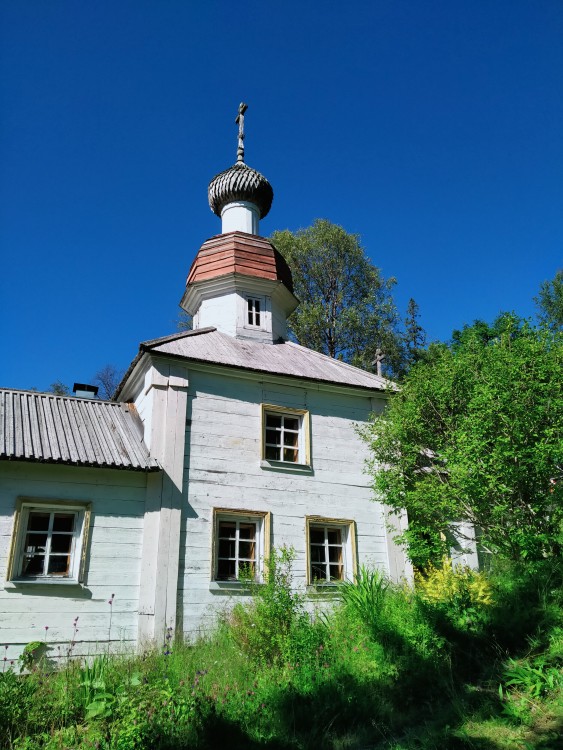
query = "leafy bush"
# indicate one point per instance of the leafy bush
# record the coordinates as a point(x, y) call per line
point(16, 699)
point(461, 594)
point(379, 670)
point(275, 628)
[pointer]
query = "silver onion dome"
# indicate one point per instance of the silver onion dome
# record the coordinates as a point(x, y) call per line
point(240, 183)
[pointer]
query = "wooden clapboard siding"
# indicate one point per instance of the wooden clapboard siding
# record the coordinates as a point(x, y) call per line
point(222, 469)
point(118, 501)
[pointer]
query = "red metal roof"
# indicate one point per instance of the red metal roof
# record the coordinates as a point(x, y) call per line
point(238, 252)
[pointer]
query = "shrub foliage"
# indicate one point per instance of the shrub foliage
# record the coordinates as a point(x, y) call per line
point(387, 667)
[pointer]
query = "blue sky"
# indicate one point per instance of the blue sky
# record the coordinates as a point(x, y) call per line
point(432, 129)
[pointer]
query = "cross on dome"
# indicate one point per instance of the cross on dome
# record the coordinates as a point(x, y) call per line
point(242, 107)
point(240, 195)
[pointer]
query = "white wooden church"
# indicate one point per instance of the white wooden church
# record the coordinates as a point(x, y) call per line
point(220, 443)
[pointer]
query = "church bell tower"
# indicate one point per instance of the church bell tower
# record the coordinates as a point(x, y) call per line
point(239, 283)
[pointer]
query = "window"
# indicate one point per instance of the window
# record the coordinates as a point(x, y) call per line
point(331, 547)
point(48, 542)
point(241, 542)
point(285, 435)
point(253, 312)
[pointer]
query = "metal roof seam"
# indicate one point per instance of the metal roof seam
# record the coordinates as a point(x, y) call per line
point(67, 430)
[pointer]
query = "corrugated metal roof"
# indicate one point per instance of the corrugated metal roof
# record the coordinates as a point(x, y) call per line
point(63, 429)
point(285, 358)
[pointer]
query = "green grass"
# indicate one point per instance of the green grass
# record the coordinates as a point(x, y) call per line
point(389, 669)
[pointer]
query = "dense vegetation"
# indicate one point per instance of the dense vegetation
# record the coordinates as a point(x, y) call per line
point(466, 661)
point(475, 434)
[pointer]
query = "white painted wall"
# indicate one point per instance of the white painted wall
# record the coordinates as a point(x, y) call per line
point(240, 216)
point(220, 312)
point(113, 567)
point(223, 444)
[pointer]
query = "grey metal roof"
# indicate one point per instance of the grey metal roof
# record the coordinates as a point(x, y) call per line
point(68, 430)
point(285, 358)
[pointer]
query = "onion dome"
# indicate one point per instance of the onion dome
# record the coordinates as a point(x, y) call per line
point(240, 183)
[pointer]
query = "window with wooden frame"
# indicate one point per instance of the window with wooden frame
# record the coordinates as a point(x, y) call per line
point(49, 542)
point(331, 550)
point(254, 312)
point(285, 435)
point(241, 543)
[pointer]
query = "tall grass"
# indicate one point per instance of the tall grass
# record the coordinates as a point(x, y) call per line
point(390, 668)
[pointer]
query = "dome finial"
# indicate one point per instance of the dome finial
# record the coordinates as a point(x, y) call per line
point(242, 107)
point(240, 195)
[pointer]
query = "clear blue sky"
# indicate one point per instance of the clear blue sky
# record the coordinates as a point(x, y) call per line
point(432, 129)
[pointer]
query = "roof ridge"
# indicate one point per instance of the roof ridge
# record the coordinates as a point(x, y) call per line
point(175, 336)
point(59, 395)
point(340, 362)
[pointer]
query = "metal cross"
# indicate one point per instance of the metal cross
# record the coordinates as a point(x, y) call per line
point(242, 107)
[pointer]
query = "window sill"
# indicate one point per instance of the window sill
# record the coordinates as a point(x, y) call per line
point(323, 590)
point(17, 582)
point(237, 588)
point(286, 466)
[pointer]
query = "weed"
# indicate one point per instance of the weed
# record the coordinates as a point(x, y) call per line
point(377, 670)
point(366, 595)
point(31, 654)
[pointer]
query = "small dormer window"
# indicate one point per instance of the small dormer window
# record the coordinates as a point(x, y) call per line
point(254, 316)
point(254, 309)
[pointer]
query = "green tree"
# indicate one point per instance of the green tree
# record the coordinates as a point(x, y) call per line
point(346, 308)
point(476, 434)
point(550, 302)
point(59, 388)
point(414, 336)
